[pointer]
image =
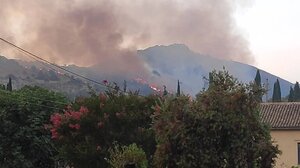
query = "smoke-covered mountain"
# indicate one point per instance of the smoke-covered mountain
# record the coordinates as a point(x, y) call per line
point(167, 64)
point(36, 73)
point(178, 62)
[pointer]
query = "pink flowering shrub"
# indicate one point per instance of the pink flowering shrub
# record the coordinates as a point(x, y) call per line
point(69, 120)
point(87, 129)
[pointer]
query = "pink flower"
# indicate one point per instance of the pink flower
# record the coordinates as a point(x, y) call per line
point(83, 110)
point(56, 120)
point(73, 115)
point(74, 126)
point(76, 114)
point(54, 133)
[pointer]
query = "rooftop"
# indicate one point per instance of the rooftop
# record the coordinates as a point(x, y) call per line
point(283, 115)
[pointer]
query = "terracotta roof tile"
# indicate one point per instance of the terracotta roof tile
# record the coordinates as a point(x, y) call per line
point(281, 115)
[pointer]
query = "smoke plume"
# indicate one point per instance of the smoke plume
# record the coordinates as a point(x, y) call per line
point(108, 33)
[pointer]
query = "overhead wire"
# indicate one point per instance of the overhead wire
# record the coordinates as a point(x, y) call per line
point(49, 64)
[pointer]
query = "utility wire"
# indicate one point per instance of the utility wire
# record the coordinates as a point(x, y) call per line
point(46, 62)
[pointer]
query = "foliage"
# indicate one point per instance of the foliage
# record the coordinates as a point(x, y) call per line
point(127, 155)
point(257, 78)
point(23, 140)
point(221, 128)
point(276, 92)
point(178, 88)
point(291, 96)
point(9, 84)
point(88, 129)
point(297, 92)
point(2, 87)
point(167, 122)
point(257, 82)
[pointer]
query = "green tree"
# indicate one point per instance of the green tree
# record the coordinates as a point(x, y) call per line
point(24, 142)
point(221, 128)
point(276, 92)
point(297, 92)
point(291, 95)
point(9, 84)
point(257, 78)
point(178, 88)
point(2, 87)
point(257, 82)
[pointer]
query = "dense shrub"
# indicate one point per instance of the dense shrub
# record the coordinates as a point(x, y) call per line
point(221, 128)
point(89, 128)
point(23, 140)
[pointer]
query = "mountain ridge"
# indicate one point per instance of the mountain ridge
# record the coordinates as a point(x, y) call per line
point(178, 62)
point(166, 63)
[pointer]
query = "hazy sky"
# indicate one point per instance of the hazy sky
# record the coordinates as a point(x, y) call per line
point(272, 28)
point(263, 33)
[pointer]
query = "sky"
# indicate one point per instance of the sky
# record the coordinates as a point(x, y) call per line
point(272, 29)
point(263, 33)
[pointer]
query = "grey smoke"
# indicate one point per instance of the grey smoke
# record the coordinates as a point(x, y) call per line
point(108, 33)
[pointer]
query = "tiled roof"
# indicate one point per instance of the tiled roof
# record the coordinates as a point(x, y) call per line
point(281, 115)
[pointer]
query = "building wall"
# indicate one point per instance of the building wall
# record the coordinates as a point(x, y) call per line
point(287, 140)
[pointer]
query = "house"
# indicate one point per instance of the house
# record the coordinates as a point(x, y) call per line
point(284, 120)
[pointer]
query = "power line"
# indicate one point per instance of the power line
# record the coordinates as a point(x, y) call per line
point(46, 62)
point(49, 63)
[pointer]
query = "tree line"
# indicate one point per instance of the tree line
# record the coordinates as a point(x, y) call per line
point(8, 85)
point(294, 94)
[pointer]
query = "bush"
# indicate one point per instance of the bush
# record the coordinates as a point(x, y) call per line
point(221, 128)
point(23, 140)
point(132, 155)
point(85, 131)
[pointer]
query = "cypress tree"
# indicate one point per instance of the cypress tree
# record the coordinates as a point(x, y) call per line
point(125, 86)
point(178, 88)
point(274, 97)
point(296, 92)
point(9, 84)
point(257, 81)
point(291, 95)
point(276, 92)
point(279, 90)
point(257, 78)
